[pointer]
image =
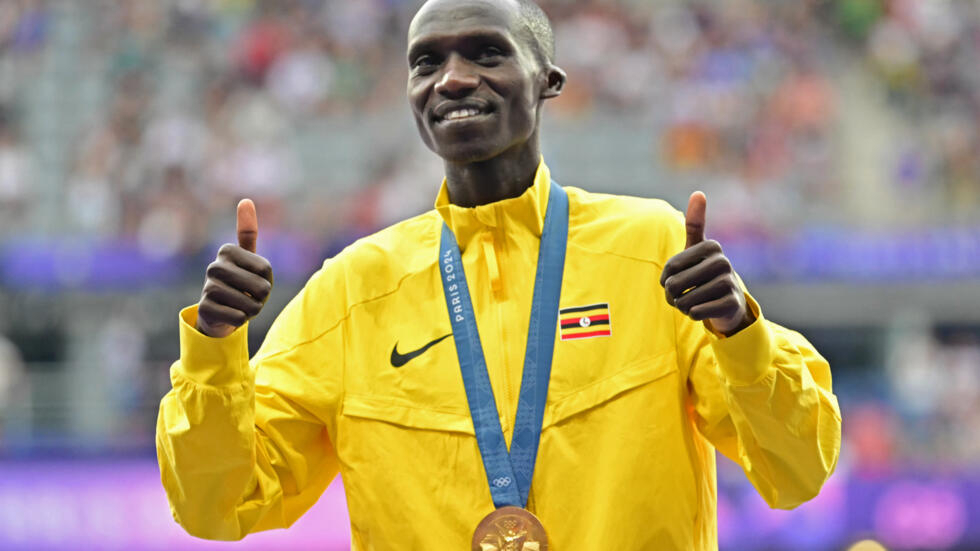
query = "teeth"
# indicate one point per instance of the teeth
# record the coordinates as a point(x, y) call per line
point(462, 114)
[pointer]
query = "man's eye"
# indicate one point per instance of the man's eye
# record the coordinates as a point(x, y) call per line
point(490, 53)
point(424, 62)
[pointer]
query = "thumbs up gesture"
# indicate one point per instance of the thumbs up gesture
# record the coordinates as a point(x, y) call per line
point(238, 282)
point(700, 281)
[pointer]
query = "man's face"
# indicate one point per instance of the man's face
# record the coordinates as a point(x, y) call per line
point(474, 82)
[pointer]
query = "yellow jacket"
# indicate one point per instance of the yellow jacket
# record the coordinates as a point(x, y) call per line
point(633, 418)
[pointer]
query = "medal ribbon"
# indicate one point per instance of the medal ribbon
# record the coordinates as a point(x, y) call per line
point(509, 473)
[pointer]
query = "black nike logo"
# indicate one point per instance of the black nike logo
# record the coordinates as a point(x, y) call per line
point(398, 360)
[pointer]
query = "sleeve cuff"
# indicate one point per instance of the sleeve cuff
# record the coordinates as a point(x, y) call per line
point(745, 357)
point(209, 361)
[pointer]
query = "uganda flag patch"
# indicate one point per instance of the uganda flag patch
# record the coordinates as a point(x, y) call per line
point(583, 322)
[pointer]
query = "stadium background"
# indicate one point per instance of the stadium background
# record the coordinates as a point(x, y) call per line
point(838, 142)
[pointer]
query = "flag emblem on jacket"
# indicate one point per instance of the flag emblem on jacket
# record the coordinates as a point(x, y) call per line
point(582, 322)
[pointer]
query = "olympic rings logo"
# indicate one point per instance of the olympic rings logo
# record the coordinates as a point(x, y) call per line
point(501, 482)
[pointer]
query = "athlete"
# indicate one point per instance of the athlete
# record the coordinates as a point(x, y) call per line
point(504, 370)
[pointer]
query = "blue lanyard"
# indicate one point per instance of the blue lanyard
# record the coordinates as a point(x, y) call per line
point(509, 473)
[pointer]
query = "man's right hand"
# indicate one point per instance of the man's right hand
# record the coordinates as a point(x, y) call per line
point(238, 282)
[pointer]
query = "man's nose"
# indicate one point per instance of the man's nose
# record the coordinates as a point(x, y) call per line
point(458, 80)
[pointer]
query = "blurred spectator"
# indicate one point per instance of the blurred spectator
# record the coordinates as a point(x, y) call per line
point(15, 176)
point(103, 191)
point(872, 437)
point(936, 385)
point(15, 391)
point(301, 78)
point(250, 156)
point(23, 25)
point(261, 43)
point(171, 223)
point(122, 343)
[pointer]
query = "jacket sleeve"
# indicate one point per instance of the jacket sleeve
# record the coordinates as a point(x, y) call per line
point(763, 398)
point(245, 447)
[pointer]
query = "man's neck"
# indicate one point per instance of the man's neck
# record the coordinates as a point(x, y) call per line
point(505, 176)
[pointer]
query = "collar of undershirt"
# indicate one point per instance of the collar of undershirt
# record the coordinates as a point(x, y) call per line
point(525, 212)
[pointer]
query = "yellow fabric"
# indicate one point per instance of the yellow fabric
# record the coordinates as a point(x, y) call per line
point(626, 459)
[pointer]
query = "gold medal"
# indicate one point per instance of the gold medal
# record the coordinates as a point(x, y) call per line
point(510, 529)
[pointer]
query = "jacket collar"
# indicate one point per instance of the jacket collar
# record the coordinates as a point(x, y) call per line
point(526, 211)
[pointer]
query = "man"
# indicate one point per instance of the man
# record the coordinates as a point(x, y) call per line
point(502, 371)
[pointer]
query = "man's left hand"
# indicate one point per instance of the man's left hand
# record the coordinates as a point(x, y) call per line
point(700, 281)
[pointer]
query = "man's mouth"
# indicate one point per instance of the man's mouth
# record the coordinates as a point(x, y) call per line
point(461, 114)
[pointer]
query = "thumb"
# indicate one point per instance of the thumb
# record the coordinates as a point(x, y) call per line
point(248, 225)
point(694, 220)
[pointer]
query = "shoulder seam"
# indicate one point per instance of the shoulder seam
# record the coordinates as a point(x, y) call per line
point(342, 319)
point(619, 255)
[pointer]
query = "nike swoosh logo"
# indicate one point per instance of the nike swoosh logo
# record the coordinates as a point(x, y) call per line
point(398, 360)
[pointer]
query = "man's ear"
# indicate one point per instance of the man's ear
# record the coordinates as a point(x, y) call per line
point(556, 82)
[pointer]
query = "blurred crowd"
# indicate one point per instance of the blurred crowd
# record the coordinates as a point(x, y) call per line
point(144, 122)
point(208, 100)
point(923, 412)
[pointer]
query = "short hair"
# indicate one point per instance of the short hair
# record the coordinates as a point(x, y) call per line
point(536, 28)
point(537, 24)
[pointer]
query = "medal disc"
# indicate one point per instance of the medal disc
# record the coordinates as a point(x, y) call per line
point(510, 529)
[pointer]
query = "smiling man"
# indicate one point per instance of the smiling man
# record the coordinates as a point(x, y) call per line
point(502, 372)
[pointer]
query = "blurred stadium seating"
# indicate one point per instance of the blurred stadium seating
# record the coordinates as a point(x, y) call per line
point(838, 142)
